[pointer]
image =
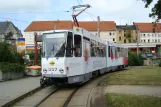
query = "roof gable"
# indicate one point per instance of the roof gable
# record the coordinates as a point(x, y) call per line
point(48, 25)
point(3, 27)
point(88, 25)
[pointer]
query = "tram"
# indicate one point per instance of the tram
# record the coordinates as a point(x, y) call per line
point(75, 56)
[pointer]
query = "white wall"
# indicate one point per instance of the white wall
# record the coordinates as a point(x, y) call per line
point(150, 36)
point(107, 35)
point(29, 36)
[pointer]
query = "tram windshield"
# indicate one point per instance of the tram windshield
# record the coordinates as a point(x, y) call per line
point(54, 45)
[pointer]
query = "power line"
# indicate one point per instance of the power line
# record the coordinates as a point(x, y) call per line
point(15, 19)
point(82, 1)
point(78, 2)
point(90, 15)
point(36, 12)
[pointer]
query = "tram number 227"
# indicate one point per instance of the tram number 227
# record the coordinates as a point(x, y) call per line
point(52, 69)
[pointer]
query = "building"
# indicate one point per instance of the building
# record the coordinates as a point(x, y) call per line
point(149, 39)
point(9, 31)
point(127, 34)
point(107, 29)
point(149, 33)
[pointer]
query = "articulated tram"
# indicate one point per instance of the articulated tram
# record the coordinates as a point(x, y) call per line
point(75, 56)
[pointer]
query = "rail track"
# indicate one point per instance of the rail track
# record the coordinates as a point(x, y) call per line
point(59, 96)
point(45, 97)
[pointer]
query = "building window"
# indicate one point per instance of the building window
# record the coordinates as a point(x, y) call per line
point(148, 40)
point(148, 35)
point(155, 40)
point(155, 35)
point(144, 41)
point(119, 38)
point(124, 35)
point(144, 35)
point(113, 33)
point(110, 33)
point(125, 41)
point(141, 41)
point(158, 40)
point(113, 39)
point(152, 35)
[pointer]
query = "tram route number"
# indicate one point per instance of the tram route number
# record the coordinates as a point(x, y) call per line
point(52, 69)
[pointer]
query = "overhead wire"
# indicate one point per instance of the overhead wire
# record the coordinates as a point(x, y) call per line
point(15, 19)
point(36, 12)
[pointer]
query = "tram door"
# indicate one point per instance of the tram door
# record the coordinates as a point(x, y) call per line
point(86, 54)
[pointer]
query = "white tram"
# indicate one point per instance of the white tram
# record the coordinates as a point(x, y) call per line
point(75, 56)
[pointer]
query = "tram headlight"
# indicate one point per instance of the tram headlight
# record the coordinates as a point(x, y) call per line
point(45, 70)
point(61, 70)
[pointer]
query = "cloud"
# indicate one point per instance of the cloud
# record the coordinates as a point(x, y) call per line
point(24, 5)
point(109, 6)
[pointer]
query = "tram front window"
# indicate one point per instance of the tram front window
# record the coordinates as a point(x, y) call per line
point(54, 45)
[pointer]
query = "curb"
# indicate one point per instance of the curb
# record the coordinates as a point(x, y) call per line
point(12, 102)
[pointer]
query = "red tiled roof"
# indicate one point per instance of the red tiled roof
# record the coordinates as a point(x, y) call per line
point(148, 27)
point(88, 25)
point(92, 25)
point(48, 25)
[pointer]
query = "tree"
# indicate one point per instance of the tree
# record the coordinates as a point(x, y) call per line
point(9, 35)
point(156, 10)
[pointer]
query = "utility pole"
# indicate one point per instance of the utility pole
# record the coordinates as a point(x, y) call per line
point(137, 40)
point(98, 25)
point(36, 52)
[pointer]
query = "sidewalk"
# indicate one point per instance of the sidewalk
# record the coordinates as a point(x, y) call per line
point(134, 89)
point(10, 90)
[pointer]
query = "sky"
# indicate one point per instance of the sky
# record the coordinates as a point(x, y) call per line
point(23, 12)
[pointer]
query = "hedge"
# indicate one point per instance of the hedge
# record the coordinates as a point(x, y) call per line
point(11, 67)
point(160, 64)
point(9, 54)
point(135, 60)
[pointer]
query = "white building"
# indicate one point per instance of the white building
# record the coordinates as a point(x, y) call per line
point(149, 33)
point(107, 29)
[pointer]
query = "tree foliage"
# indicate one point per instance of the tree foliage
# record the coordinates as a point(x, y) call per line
point(135, 60)
point(156, 10)
point(9, 54)
point(9, 35)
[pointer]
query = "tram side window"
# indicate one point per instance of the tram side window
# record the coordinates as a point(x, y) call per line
point(121, 52)
point(98, 49)
point(118, 50)
point(102, 50)
point(93, 51)
point(78, 45)
point(109, 51)
point(69, 51)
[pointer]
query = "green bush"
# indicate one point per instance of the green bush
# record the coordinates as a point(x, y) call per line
point(9, 54)
point(31, 54)
point(135, 60)
point(11, 67)
point(160, 64)
point(5, 53)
